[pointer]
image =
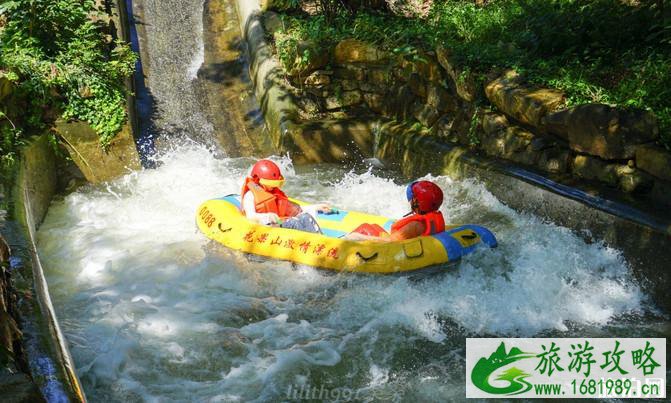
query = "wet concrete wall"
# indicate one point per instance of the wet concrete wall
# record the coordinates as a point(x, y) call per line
point(47, 354)
point(192, 82)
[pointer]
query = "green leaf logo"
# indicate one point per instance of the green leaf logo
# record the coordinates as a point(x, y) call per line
point(515, 377)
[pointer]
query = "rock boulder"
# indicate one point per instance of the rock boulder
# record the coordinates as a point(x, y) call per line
point(632, 180)
point(554, 160)
point(501, 139)
point(98, 165)
point(593, 168)
point(439, 98)
point(376, 102)
point(6, 87)
point(318, 58)
point(426, 114)
point(425, 65)
point(319, 78)
point(602, 130)
point(523, 104)
point(655, 161)
point(462, 79)
point(356, 51)
point(347, 98)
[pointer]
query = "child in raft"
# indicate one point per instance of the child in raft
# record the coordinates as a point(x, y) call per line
point(263, 202)
point(425, 198)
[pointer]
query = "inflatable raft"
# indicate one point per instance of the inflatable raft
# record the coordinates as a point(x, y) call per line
point(221, 220)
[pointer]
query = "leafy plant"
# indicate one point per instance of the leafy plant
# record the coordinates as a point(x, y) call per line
point(10, 139)
point(284, 5)
point(64, 60)
point(614, 52)
point(473, 138)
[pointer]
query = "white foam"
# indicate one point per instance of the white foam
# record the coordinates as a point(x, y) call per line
point(161, 313)
point(199, 56)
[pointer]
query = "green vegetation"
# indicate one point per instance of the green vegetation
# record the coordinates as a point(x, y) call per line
point(61, 61)
point(609, 51)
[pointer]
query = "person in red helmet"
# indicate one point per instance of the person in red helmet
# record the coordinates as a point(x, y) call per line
point(264, 202)
point(425, 198)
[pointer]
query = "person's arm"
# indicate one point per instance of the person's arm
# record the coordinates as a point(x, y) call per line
point(250, 212)
point(294, 209)
point(411, 230)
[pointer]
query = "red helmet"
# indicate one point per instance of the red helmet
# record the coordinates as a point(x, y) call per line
point(424, 196)
point(268, 174)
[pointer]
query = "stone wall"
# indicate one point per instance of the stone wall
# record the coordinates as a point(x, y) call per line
point(35, 364)
point(506, 118)
point(592, 168)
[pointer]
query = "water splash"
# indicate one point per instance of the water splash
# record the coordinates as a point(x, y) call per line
point(154, 310)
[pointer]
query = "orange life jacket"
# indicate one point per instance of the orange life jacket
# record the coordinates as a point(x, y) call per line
point(433, 222)
point(273, 201)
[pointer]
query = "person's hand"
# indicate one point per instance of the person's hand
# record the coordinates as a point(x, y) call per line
point(271, 218)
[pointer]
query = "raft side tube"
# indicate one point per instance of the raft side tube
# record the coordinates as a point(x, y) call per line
point(221, 220)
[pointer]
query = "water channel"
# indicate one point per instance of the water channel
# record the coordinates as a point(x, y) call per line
point(154, 311)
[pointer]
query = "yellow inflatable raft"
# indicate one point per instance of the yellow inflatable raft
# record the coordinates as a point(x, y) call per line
point(221, 220)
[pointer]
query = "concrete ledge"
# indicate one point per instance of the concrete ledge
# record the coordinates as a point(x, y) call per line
point(49, 359)
point(643, 239)
point(98, 164)
point(279, 109)
point(332, 141)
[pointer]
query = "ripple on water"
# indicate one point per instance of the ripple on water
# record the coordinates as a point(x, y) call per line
point(153, 310)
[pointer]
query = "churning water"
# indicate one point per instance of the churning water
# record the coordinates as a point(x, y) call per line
point(153, 310)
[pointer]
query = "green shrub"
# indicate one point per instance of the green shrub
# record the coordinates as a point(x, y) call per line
point(63, 60)
point(607, 51)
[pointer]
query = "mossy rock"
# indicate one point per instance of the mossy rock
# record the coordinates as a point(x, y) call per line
point(654, 160)
point(592, 168)
point(526, 105)
point(300, 65)
point(356, 51)
point(463, 79)
point(98, 164)
point(6, 88)
point(602, 130)
point(347, 98)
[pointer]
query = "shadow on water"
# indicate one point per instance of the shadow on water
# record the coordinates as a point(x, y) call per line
point(224, 84)
point(195, 88)
point(225, 73)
